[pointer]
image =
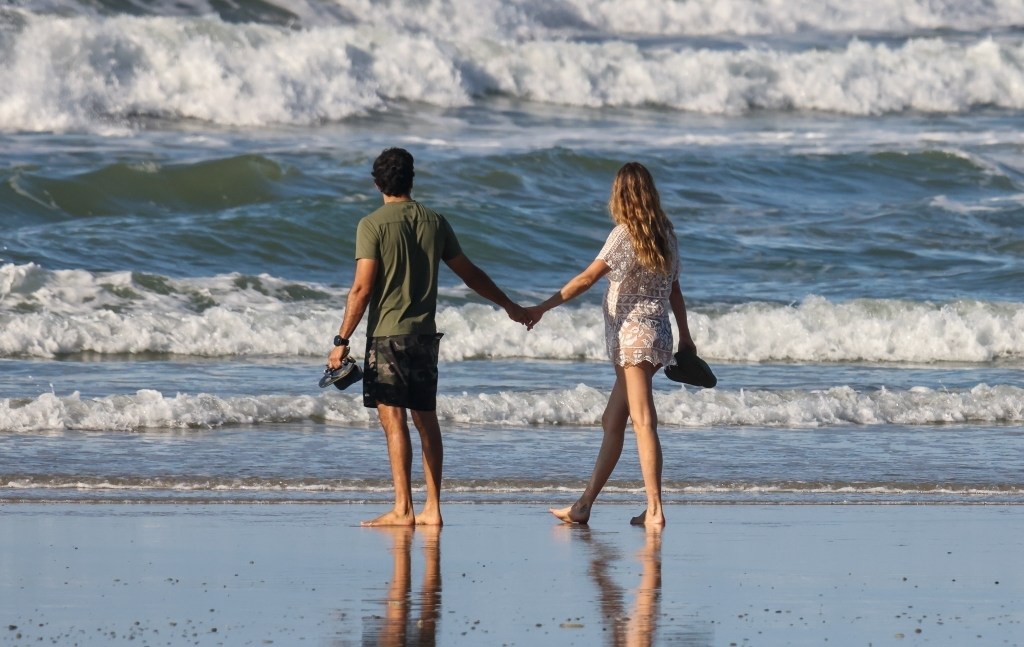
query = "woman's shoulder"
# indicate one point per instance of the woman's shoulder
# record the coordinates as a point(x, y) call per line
point(618, 232)
point(617, 247)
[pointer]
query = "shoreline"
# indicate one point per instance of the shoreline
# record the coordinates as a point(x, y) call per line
point(259, 574)
point(537, 505)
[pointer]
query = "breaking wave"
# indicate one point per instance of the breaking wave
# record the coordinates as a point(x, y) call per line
point(51, 313)
point(72, 67)
point(582, 405)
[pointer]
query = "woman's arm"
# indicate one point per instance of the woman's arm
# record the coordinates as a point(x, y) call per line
point(575, 287)
point(678, 304)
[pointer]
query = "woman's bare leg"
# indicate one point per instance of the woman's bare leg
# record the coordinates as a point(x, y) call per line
point(640, 395)
point(613, 421)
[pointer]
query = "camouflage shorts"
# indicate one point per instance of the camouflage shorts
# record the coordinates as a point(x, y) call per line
point(401, 371)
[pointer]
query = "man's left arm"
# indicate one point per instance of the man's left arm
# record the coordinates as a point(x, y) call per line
point(478, 281)
point(355, 307)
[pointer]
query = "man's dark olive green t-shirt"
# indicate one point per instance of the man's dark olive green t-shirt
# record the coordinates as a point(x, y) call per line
point(408, 241)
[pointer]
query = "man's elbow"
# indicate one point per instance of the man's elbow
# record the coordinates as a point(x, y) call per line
point(359, 293)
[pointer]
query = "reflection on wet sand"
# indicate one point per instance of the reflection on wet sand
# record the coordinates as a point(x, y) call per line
point(393, 627)
point(635, 629)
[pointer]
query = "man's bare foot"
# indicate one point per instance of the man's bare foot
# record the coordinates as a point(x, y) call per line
point(391, 519)
point(576, 513)
point(643, 519)
point(431, 518)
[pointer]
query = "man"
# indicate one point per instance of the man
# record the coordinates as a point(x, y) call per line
point(398, 250)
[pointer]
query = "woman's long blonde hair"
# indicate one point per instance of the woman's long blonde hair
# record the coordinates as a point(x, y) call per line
point(636, 204)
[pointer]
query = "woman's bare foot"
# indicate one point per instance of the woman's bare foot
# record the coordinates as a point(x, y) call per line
point(644, 519)
point(391, 519)
point(576, 513)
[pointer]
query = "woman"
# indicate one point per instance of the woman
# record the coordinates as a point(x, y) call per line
point(641, 259)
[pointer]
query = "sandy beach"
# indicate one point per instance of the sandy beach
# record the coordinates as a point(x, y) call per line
point(74, 574)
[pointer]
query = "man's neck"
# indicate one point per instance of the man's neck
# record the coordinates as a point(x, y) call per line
point(388, 199)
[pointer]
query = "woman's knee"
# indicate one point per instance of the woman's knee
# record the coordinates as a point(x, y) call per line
point(645, 424)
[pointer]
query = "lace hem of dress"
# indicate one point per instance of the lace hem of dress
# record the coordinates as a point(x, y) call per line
point(634, 357)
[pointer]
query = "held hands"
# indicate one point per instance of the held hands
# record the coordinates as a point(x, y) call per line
point(529, 317)
point(535, 313)
point(519, 314)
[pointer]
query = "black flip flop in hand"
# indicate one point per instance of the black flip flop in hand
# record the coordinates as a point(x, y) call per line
point(342, 377)
point(691, 369)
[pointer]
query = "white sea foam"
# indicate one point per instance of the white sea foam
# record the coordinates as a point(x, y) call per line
point(582, 405)
point(548, 18)
point(706, 17)
point(90, 71)
point(536, 18)
point(868, 329)
point(48, 313)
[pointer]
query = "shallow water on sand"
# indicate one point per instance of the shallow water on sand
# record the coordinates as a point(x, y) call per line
point(216, 574)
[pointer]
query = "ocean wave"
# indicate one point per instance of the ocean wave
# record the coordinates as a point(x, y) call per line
point(537, 18)
point(52, 313)
point(148, 187)
point(583, 405)
point(95, 73)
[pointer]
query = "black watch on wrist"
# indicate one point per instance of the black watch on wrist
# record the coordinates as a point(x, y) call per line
point(340, 341)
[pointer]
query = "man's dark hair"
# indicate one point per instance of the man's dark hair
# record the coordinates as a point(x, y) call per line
point(392, 171)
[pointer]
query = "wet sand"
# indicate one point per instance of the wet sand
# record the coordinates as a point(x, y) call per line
point(289, 574)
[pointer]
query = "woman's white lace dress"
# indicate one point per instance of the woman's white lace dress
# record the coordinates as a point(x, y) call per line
point(636, 307)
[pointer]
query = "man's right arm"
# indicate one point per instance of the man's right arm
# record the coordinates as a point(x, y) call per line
point(355, 306)
point(478, 281)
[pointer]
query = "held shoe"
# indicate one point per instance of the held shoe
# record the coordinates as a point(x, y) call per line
point(342, 377)
point(691, 369)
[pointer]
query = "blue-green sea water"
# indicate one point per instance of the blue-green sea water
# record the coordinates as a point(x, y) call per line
point(180, 185)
